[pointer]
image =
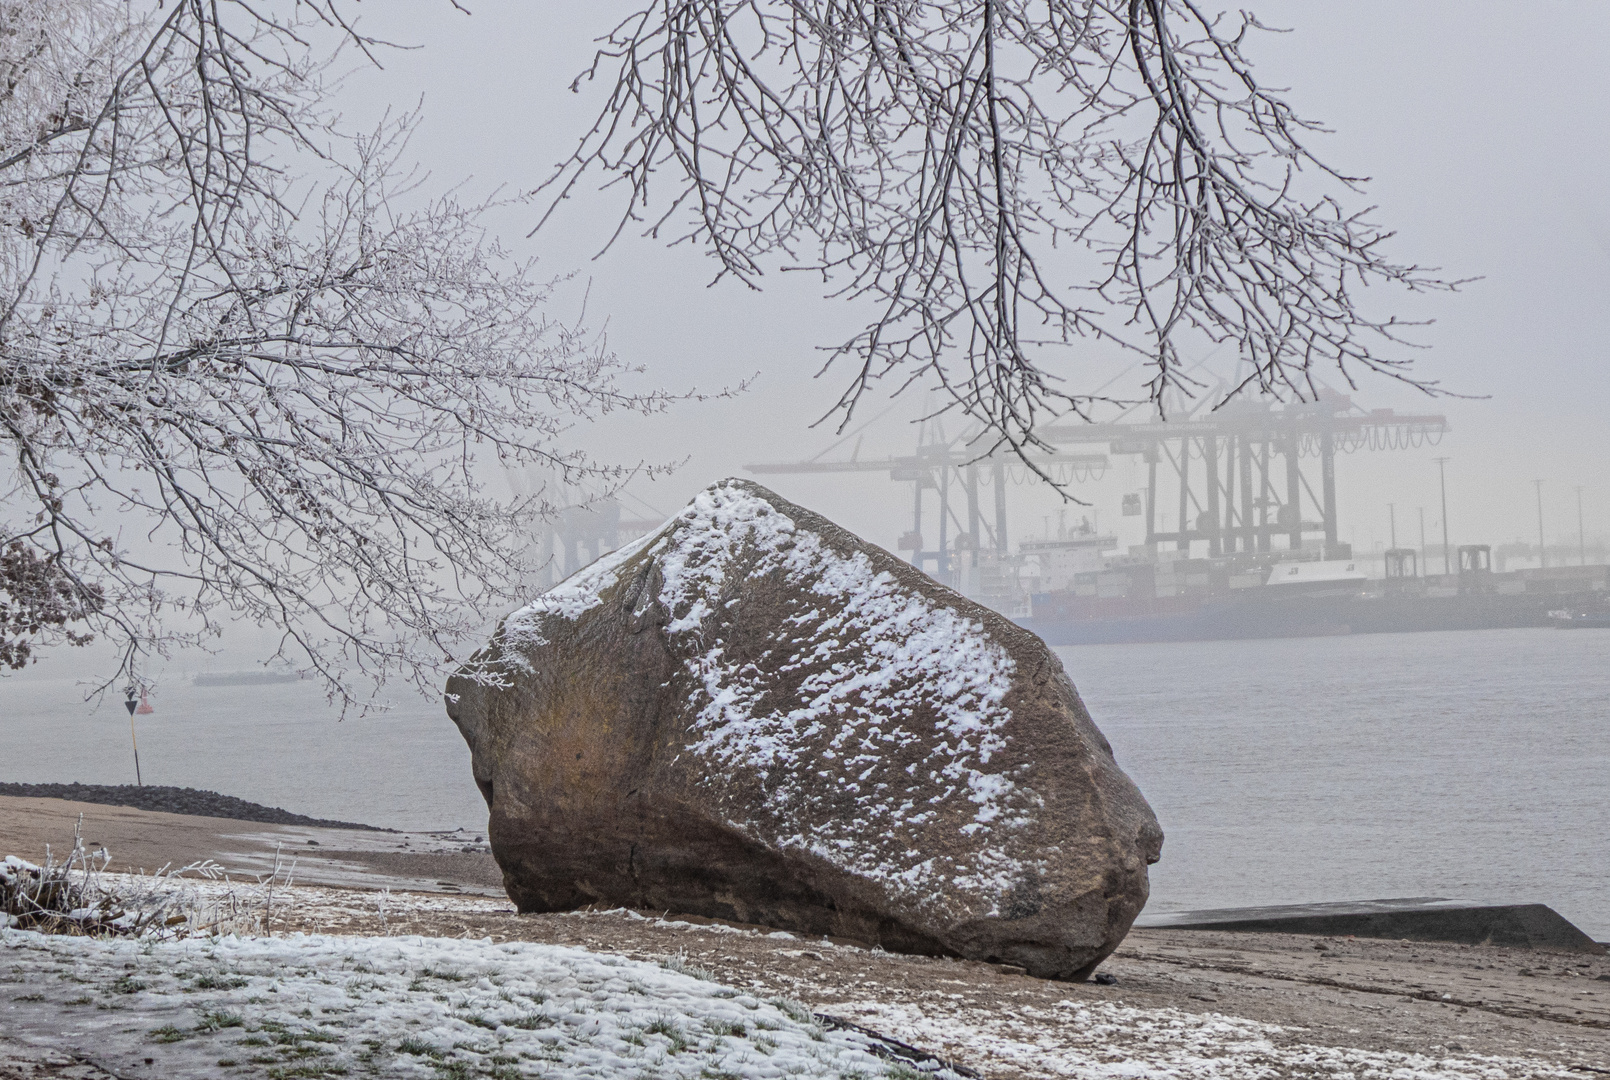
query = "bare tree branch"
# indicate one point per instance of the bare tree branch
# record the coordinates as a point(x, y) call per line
point(1005, 183)
point(241, 371)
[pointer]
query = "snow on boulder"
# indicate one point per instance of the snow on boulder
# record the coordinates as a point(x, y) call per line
point(752, 714)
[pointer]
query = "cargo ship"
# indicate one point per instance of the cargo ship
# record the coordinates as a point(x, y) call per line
point(1129, 599)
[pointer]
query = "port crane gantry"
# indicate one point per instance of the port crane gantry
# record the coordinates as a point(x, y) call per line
point(938, 465)
point(1236, 498)
point(1226, 467)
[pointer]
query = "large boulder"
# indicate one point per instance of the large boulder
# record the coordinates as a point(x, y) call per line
point(752, 714)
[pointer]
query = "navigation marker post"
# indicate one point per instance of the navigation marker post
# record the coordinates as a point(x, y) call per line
point(133, 704)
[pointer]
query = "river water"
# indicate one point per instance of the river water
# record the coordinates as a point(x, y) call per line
point(1465, 764)
point(1472, 765)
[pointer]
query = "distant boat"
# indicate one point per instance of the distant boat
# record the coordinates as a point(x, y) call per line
point(1581, 620)
point(244, 678)
point(144, 708)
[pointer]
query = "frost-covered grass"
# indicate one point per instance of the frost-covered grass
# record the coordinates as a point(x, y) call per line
point(77, 896)
point(340, 1006)
point(321, 1006)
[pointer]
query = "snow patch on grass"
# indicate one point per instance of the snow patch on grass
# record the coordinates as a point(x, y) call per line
point(321, 1006)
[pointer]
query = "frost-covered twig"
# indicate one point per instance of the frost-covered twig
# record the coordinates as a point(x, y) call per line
point(78, 896)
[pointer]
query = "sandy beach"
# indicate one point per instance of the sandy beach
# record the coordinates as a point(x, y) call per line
point(1522, 1012)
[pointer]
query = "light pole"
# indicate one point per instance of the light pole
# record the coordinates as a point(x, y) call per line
point(1542, 554)
point(1581, 537)
point(1392, 519)
point(1422, 567)
point(1442, 476)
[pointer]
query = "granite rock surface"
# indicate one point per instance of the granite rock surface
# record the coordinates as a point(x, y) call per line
point(752, 714)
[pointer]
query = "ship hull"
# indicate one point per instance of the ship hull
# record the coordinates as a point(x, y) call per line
point(1297, 616)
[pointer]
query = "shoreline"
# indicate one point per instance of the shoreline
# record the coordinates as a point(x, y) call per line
point(148, 840)
point(191, 802)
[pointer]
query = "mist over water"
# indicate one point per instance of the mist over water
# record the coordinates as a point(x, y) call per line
point(1472, 765)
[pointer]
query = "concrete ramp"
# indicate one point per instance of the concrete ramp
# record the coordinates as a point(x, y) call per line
point(1415, 918)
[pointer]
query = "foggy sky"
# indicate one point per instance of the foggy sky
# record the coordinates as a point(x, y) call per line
point(1485, 128)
